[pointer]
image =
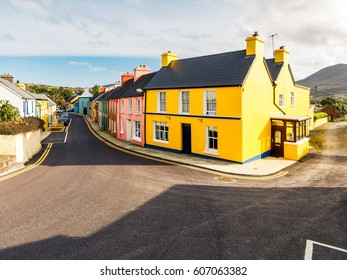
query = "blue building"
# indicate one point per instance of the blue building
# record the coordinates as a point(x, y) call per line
point(84, 103)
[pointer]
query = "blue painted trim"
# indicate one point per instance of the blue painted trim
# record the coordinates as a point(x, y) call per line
point(194, 116)
point(215, 158)
point(263, 155)
point(163, 149)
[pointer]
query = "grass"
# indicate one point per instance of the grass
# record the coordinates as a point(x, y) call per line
point(316, 140)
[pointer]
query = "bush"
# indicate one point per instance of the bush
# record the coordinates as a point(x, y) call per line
point(28, 124)
point(8, 112)
point(320, 115)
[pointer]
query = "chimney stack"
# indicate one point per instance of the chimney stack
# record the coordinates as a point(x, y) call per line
point(167, 58)
point(141, 70)
point(255, 46)
point(281, 55)
point(126, 76)
point(8, 77)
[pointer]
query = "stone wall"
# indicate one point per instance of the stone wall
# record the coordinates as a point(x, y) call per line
point(23, 146)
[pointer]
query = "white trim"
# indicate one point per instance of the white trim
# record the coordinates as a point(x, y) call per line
point(180, 102)
point(309, 248)
point(134, 137)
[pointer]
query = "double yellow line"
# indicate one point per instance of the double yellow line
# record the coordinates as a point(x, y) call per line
point(28, 168)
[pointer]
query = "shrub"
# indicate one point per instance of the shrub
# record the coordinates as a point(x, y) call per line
point(8, 112)
point(320, 115)
point(27, 124)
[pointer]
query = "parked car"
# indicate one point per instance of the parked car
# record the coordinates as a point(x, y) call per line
point(65, 118)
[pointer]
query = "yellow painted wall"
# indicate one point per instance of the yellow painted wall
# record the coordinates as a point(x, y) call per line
point(295, 151)
point(285, 86)
point(44, 110)
point(257, 107)
point(229, 130)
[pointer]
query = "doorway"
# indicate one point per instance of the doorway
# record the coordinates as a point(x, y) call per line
point(186, 138)
point(278, 134)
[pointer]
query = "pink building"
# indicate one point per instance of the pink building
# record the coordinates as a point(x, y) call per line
point(126, 107)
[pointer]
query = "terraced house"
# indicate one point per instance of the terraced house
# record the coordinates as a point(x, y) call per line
point(235, 106)
point(126, 107)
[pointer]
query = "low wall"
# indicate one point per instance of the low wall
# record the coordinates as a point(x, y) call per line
point(296, 150)
point(320, 122)
point(23, 146)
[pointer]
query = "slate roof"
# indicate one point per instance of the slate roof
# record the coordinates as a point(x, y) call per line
point(225, 69)
point(118, 92)
point(140, 83)
point(16, 89)
point(274, 68)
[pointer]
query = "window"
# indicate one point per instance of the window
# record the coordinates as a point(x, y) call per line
point(138, 106)
point(122, 106)
point(115, 107)
point(137, 130)
point(114, 127)
point(210, 102)
point(121, 126)
point(212, 139)
point(292, 99)
point(162, 102)
point(281, 100)
point(185, 100)
point(161, 131)
point(130, 106)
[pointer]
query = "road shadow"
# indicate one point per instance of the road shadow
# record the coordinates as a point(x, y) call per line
point(209, 222)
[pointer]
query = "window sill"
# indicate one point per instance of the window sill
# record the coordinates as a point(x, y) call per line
point(161, 141)
point(136, 139)
point(212, 152)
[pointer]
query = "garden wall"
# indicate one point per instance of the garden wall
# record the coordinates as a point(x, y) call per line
point(320, 122)
point(24, 146)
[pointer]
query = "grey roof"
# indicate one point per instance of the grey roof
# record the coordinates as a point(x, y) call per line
point(41, 96)
point(131, 91)
point(16, 89)
point(225, 69)
point(118, 92)
point(274, 68)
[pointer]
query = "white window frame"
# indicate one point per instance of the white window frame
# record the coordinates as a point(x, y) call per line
point(292, 99)
point(121, 130)
point(136, 131)
point(114, 127)
point(161, 135)
point(130, 106)
point(161, 105)
point(209, 103)
point(209, 149)
point(184, 105)
point(138, 106)
point(281, 100)
point(122, 106)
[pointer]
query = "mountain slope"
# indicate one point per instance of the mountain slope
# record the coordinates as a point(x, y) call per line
point(330, 81)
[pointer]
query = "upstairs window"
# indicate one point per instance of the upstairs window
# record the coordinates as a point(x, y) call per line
point(122, 106)
point(292, 99)
point(138, 106)
point(162, 102)
point(185, 102)
point(130, 106)
point(210, 102)
point(281, 100)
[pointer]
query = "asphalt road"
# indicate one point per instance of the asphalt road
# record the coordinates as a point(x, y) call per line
point(90, 201)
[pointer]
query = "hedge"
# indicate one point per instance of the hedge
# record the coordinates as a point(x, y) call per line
point(320, 115)
point(28, 124)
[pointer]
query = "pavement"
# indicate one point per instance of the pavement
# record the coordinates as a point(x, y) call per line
point(262, 167)
point(268, 166)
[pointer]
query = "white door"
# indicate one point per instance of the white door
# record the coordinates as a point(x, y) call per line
point(128, 130)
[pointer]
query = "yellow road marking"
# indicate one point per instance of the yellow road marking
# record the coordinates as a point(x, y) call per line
point(244, 177)
point(28, 168)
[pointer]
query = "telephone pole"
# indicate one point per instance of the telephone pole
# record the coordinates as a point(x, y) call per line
point(273, 42)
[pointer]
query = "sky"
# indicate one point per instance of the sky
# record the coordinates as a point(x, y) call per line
point(88, 42)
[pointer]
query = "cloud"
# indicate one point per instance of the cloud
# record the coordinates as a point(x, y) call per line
point(6, 37)
point(88, 65)
point(32, 7)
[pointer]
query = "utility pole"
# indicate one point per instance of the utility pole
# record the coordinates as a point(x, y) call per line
point(273, 42)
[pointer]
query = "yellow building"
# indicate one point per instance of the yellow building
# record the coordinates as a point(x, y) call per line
point(42, 108)
point(235, 106)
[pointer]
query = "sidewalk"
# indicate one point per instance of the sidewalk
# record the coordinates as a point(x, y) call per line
point(262, 167)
